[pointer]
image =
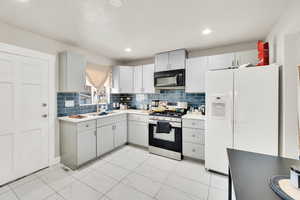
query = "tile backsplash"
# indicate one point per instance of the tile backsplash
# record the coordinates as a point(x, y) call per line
point(137, 100)
point(133, 100)
point(63, 110)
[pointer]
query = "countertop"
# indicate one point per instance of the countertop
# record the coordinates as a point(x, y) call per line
point(251, 172)
point(194, 116)
point(113, 113)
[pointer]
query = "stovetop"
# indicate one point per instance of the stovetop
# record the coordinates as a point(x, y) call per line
point(168, 114)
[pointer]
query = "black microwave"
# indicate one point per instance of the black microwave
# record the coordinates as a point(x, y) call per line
point(173, 79)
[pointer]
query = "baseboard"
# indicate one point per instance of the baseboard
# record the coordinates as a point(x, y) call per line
point(55, 161)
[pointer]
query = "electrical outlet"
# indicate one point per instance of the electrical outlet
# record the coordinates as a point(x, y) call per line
point(69, 104)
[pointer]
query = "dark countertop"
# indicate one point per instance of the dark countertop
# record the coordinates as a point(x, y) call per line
point(250, 173)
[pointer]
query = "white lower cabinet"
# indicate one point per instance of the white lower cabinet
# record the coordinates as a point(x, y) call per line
point(138, 133)
point(86, 146)
point(193, 137)
point(105, 139)
point(78, 143)
point(120, 133)
point(111, 133)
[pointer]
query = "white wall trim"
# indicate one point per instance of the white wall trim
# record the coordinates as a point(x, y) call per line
point(54, 161)
point(11, 49)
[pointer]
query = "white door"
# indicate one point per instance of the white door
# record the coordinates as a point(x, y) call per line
point(221, 61)
point(245, 57)
point(106, 139)
point(256, 110)
point(126, 79)
point(120, 133)
point(148, 79)
point(138, 79)
point(195, 74)
point(177, 59)
point(161, 62)
point(86, 146)
point(24, 116)
point(138, 133)
point(219, 123)
point(31, 138)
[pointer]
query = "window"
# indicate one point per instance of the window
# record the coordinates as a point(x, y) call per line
point(92, 96)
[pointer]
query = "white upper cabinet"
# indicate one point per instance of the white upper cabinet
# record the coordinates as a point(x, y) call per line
point(138, 79)
point(195, 74)
point(122, 79)
point(148, 79)
point(161, 62)
point(221, 61)
point(170, 60)
point(177, 59)
point(245, 57)
point(72, 76)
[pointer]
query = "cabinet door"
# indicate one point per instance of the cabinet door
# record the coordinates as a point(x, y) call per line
point(138, 79)
point(138, 133)
point(115, 80)
point(195, 74)
point(221, 61)
point(75, 74)
point(161, 62)
point(120, 133)
point(86, 146)
point(177, 59)
point(245, 57)
point(148, 79)
point(105, 139)
point(126, 79)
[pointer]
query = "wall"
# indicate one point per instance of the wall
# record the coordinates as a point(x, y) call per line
point(22, 38)
point(282, 51)
point(202, 52)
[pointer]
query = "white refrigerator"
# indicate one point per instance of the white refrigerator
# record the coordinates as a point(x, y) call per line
point(242, 113)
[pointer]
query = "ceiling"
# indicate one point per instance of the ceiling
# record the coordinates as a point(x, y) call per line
point(145, 26)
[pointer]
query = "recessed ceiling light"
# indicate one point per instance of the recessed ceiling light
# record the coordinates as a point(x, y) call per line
point(206, 31)
point(116, 3)
point(128, 50)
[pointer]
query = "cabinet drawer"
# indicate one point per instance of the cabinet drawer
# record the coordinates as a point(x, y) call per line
point(138, 118)
point(87, 125)
point(111, 120)
point(193, 135)
point(193, 150)
point(192, 123)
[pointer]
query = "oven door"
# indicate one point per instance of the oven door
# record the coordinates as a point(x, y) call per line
point(170, 141)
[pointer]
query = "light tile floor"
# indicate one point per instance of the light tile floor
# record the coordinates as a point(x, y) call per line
point(129, 173)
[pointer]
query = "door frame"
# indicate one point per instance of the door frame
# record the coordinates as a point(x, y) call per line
point(51, 59)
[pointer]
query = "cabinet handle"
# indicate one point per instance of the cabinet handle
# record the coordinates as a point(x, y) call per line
point(95, 132)
point(87, 125)
point(194, 150)
point(193, 123)
point(45, 116)
point(44, 104)
point(194, 135)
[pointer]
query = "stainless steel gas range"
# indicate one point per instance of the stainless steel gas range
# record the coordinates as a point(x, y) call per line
point(169, 142)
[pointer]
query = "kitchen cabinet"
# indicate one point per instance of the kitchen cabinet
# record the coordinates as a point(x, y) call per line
point(138, 133)
point(105, 139)
point(171, 60)
point(245, 57)
point(138, 79)
point(221, 61)
point(111, 133)
point(143, 79)
point(148, 78)
point(78, 143)
point(193, 138)
point(120, 134)
point(72, 77)
point(195, 74)
point(86, 148)
point(122, 79)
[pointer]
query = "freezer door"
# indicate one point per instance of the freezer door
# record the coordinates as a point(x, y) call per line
point(256, 110)
point(219, 123)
